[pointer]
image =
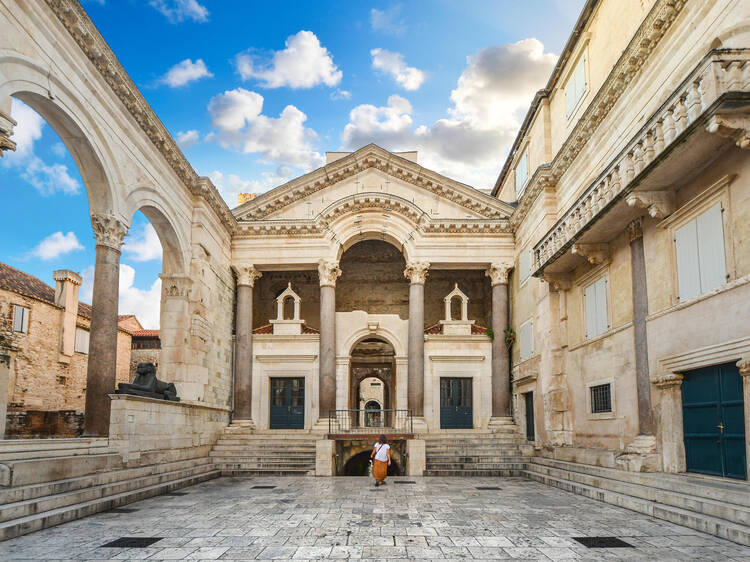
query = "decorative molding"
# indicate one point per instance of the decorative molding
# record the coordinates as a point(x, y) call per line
point(6, 131)
point(732, 126)
point(285, 358)
point(667, 380)
point(109, 231)
point(457, 358)
point(498, 273)
point(726, 352)
point(74, 18)
point(635, 229)
point(558, 281)
point(659, 204)
point(416, 272)
point(744, 366)
point(328, 272)
point(594, 253)
point(248, 275)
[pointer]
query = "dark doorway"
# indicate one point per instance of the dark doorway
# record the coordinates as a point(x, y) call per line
point(714, 421)
point(529, 405)
point(456, 410)
point(359, 465)
point(287, 403)
point(373, 415)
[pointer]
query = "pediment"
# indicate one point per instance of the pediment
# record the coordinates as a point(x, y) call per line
point(373, 178)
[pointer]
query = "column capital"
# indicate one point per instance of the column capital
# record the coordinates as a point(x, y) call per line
point(635, 229)
point(416, 272)
point(744, 366)
point(109, 231)
point(498, 273)
point(667, 380)
point(328, 272)
point(248, 275)
point(6, 130)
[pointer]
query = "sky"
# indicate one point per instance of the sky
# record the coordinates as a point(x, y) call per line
point(255, 93)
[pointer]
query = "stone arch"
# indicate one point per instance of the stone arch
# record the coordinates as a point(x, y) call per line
point(384, 370)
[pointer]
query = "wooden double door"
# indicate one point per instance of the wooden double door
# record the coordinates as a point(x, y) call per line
point(287, 403)
point(456, 404)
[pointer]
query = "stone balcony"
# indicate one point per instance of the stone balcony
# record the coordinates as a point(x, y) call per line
point(708, 112)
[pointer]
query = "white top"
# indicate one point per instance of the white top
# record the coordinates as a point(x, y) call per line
point(382, 452)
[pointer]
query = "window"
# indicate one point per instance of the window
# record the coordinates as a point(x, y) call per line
point(20, 319)
point(701, 262)
point(524, 265)
point(576, 87)
point(601, 398)
point(526, 339)
point(595, 303)
point(82, 340)
point(522, 173)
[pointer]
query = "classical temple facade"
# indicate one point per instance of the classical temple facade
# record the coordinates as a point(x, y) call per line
point(586, 324)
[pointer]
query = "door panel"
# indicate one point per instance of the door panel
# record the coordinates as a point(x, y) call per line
point(456, 411)
point(529, 398)
point(287, 409)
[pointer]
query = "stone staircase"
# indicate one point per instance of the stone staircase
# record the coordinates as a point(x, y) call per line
point(716, 506)
point(490, 452)
point(244, 452)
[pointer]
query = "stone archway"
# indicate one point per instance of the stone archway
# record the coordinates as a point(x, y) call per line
point(372, 359)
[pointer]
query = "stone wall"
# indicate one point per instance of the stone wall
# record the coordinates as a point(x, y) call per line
point(144, 356)
point(39, 424)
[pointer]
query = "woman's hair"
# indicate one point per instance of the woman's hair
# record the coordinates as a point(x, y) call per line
point(382, 439)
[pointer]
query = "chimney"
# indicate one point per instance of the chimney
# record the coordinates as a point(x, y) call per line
point(66, 297)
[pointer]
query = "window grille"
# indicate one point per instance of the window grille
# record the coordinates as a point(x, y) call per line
point(601, 398)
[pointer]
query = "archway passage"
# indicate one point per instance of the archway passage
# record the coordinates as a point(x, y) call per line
point(372, 381)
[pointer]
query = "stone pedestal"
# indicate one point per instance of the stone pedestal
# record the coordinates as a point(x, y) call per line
point(243, 359)
point(416, 462)
point(670, 422)
point(4, 379)
point(324, 460)
point(416, 273)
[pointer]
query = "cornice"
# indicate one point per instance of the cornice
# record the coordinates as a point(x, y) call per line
point(75, 20)
point(651, 31)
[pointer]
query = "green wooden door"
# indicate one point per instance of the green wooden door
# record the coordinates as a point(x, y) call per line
point(714, 421)
point(287, 403)
point(456, 403)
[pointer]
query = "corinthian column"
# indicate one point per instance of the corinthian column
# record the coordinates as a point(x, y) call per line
point(243, 359)
point(328, 272)
point(101, 371)
point(498, 274)
point(416, 273)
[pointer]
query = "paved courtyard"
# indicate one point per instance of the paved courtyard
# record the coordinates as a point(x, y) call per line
point(317, 518)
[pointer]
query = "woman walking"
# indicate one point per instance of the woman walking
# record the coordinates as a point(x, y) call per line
point(381, 453)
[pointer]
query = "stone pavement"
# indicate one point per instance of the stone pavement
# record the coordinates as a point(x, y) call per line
point(317, 518)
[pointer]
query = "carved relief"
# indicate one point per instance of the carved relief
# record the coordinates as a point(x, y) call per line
point(731, 126)
point(635, 229)
point(498, 273)
point(744, 366)
point(416, 272)
point(248, 275)
point(594, 253)
point(667, 380)
point(109, 231)
point(328, 272)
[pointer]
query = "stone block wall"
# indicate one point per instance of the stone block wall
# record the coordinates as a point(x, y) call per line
point(39, 424)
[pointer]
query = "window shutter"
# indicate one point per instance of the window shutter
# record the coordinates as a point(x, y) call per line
point(524, 264)
point(589, 297)
point(25, 315)
point(688, 272)
point(581, 79)
point(602, 322)
point(711, 259)
point(526, 337)
point(20, 319)
point(82, 341)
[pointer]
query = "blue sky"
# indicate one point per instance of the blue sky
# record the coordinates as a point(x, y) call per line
point(257, 92)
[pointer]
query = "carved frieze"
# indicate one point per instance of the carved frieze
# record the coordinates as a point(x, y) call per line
point(416, 272)
point(109, 231)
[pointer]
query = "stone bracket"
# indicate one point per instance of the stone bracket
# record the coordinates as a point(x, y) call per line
point(731, 126)
point(659, 204)
point(558, 281)
point(594, 253)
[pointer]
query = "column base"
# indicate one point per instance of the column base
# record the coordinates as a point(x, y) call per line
point(419, 425)
point(504, 424)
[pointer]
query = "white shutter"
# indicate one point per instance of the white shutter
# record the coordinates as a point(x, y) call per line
point(589, 306)
point(82, 340)
point(688, 271)
point(524, 264)
point(25, 320)
point(580, 76)
point(20, 319)
point(711, 260)
point(602, 319)
point(570, 97)
point(526, 339)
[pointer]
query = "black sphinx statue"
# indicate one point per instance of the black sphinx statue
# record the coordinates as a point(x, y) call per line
point(146, 384)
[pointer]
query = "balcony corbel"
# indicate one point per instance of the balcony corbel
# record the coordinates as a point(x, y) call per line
point(594, 253)
point(558, 281)
point(732, 126)
point(659, 204)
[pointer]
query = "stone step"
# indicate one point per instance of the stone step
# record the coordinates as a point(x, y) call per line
point(265, 446)
point(724, 509)
point(38, 521)
point(49, 469)
point(492, 453)
point(272, 436)
point(698, 521)
point(472, 448)
point(238, 471)
point(514, 470)
point(254, 461)
point(473, 465)
point(281, 455)
point(34, 506)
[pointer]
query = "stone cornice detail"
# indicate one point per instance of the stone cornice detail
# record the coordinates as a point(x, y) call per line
point(732, 126)
point(558, 281)
point(248, 275)
point(659, 204)
point(498, 273)
point(667, 380)
point(75, 20)
point(646, 38)
point(594, 253)
point(744, 366)
point(109, 231)
point(328, 272)
point(366, 158)
point(416, 272)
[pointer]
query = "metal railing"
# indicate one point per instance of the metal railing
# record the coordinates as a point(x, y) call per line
point(370, 421)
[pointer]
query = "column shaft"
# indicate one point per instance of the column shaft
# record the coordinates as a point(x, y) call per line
point(500, 359)
point(416, 349)
point(640, 311)
point(327, 356)
point(243, 359)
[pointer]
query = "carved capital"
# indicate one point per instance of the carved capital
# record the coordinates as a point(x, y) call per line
point(635, 229)
point(558, 281)
point(498, 273)
point(658, 203)
point(328, 272)
point(6, 131)
point(744, 366)
point(248, 275)
point(175, 286)
point(416, 272)
point(109, 231)
point(731, 126)
point(594, 253)
point(667, 380)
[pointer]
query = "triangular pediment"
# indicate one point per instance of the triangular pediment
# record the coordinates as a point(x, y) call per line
point(377, 175)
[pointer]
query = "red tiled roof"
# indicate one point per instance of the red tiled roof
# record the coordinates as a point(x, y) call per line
point(268, 329)
point(145, 334)
point(436, 329)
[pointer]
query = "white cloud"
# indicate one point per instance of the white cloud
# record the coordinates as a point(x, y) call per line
point(236, 116)
point(303, 64)
point(231, 185)
point(185, 72)
point(339, 94)
point(408, 77)
point(177, 11)
point(58, 149)
point(489, 103)
point(56, 245)
point(388, 21)
point(186, 139)
point(143, 245)
point(46, 178)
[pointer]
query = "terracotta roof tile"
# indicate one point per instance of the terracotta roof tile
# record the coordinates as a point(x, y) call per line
point(145, 333)
point(268, 329)
point(436, 329)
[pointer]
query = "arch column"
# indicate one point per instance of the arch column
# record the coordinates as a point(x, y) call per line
point(416, 273)
point(174, 329)
point(328, 272)
point(498, 274)
point(101, 371)
point(243, 361)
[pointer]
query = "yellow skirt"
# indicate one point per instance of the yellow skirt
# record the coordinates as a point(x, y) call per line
point(379, 470)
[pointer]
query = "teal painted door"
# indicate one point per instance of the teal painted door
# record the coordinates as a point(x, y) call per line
point(714, 421)
point(287, 403)
point(456, 403)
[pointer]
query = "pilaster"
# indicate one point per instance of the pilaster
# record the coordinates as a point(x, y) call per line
point(671, 431)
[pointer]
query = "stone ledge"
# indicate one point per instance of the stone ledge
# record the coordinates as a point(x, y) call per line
point(155, 401)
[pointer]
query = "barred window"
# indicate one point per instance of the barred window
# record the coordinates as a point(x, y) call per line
point(601, 398)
